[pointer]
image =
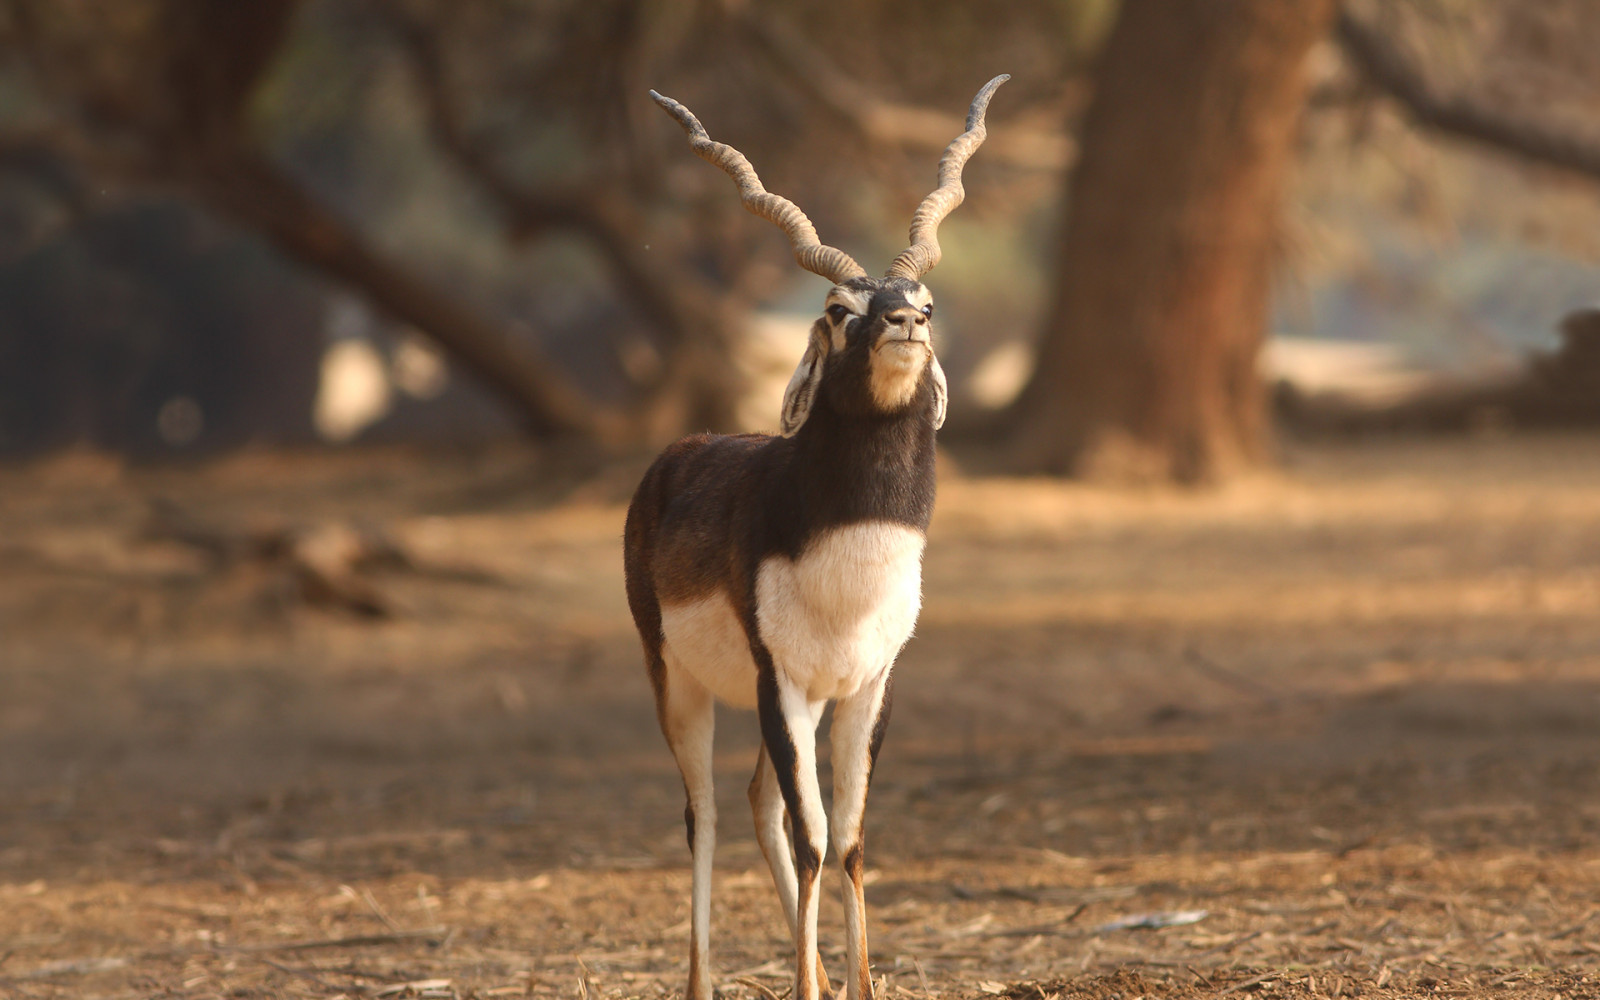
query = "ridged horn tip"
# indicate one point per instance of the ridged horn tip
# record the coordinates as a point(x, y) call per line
point(811, 254)
point(923, 254)
point(980, 104)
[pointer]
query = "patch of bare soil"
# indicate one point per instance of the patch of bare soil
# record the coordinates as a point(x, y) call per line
point(1331, 732)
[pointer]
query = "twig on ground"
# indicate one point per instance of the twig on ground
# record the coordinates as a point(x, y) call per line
point(1055, 927)
point(760, 987)
point(922, 977)
point(420, 988)
point(586, 988)
point(302, 973)
point(1227, 946)
point(1232, 678)
point(69, 967)
point(1575, 928)
point(1246, 984)
point(372, 904)
point(431, 937)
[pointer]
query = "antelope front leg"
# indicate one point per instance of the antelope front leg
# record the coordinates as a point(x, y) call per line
point(859, 722)
point(788, 730)
point(766, 804)
point(688, 719)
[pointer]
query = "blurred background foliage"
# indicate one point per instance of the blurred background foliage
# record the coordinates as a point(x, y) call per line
point(338, 220)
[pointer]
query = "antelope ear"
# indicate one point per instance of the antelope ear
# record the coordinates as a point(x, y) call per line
point(941, 392)
point(803, 384)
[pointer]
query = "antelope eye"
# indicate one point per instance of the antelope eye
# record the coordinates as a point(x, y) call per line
point(837, 313)
point(927, 310)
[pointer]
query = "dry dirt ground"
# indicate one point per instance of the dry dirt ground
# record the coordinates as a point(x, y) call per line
point(1349, 711)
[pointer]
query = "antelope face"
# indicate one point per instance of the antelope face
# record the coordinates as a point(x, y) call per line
point(881, 338)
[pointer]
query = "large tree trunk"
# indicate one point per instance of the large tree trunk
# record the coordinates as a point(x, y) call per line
point(1148, 358)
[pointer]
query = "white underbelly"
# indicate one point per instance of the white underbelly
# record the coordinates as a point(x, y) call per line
point(833, 619)
point(705, 640)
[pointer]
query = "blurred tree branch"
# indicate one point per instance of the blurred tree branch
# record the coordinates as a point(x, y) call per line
point(162, 100)
point(1391, 70)
point(38, 154)
point(251, 189)
point(699, 324)
point(820, 78)
point(36, 157)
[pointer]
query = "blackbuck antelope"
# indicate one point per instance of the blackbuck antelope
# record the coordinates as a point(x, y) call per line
point(782, 573)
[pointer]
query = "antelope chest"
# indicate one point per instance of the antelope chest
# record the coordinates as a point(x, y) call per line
point(833, 619)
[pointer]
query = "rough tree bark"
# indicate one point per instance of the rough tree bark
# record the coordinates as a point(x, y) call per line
point(1147, 363)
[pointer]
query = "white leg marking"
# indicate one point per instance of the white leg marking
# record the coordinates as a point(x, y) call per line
point(810, 823)
point(689, 722)
point(766, 802)
point(854, 719)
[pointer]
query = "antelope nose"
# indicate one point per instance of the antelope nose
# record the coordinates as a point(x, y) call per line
point(906, 319)
point(907, 326)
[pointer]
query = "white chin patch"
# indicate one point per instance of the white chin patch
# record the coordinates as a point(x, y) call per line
point(896, 369)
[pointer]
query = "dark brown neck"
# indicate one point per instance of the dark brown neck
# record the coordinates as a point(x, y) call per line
point(848, 469)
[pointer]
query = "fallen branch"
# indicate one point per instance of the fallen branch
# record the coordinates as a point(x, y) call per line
point(326, 564)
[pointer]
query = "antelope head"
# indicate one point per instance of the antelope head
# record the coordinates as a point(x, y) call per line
point(871, 351)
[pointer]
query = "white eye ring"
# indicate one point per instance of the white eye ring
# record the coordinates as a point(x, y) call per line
point(837, 312)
